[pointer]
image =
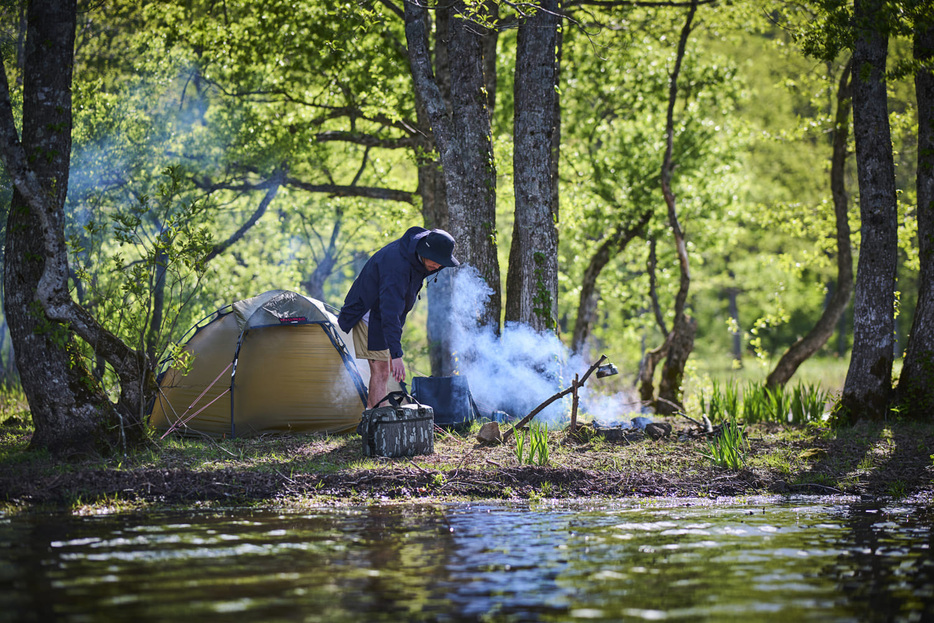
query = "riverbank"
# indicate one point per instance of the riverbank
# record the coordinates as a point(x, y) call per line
point(894, 460)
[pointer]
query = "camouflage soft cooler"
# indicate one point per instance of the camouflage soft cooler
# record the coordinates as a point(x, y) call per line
point(398, 430)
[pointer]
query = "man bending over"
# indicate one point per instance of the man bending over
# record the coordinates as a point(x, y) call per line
point(383, 294)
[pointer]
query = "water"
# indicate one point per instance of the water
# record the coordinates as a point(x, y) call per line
point(802, 559)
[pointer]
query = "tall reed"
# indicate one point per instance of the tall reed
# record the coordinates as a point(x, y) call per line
point(757, 403)
point(729, 448)
point(535, 439)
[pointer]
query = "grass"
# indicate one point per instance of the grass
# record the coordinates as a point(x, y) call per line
point(754, 402)
point(728, 449)
point(800, 452)
point(535, 439)
point(826, 372)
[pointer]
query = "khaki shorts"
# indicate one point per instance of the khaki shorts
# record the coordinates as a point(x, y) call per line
point(360, 334)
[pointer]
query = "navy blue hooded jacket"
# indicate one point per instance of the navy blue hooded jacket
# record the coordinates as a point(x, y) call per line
point(386, 287)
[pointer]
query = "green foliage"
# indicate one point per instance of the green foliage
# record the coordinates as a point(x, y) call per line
point(139, 265)
point(898, 489)
point(538, 444)
point(227, 95)
point(521, 439)
point(823, 27)
point(808, 404)
point(613, 122)
point(14, 410)
point(728, 449)
point(723, 403)
point(755, 403)
point(535, 440)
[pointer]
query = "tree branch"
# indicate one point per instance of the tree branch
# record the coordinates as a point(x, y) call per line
point(561, 394)
point(334, 190)
point(331, 112)
point(636, 3)
point(276, 181)
point(668, 167)
point(367, 140)
point(392, 7)
point(53, 291)
point(366, 192)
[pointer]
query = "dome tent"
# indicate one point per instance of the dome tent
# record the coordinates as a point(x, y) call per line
point(276, 362)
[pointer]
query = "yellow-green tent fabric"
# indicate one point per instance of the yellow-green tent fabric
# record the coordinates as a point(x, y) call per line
point(274, 363)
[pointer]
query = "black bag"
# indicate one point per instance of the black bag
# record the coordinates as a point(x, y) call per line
point(399, 429)
point(450, 398)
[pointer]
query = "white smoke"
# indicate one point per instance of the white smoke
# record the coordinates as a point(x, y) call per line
point(518, 370)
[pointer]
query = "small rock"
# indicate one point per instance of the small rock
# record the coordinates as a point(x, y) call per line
point(641, 422)
point(657, 430)
point(490, 433)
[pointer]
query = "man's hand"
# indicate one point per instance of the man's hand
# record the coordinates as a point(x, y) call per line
point(397, 369)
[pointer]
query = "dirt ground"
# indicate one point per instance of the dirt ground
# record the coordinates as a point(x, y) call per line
point(894, 460)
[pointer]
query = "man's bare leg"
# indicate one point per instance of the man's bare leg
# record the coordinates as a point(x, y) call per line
point(379, 382)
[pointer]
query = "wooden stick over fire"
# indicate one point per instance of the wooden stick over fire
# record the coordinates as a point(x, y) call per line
point(574, 386)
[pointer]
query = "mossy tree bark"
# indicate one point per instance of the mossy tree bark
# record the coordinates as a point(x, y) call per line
point(70, 412)
point(461, 130)
point(915, 389)
point(868, 386)
point(532, 279)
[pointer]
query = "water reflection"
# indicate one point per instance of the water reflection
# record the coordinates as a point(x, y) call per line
point(677, 560)
point(888, 568)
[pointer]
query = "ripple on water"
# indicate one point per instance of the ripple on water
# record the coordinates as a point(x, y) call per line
point(762, 559)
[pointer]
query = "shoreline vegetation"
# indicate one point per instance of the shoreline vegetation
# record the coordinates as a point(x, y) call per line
point(880, 460)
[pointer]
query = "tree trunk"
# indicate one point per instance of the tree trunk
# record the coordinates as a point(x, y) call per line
point(650, 361)
point(157, 311)
point(314, 283)
point(651, 358)
point(681, 342)
point(556, 132)
point(736, 334)
point(70, 405)
point(470, 175)
point(915, 389)
point(868, 385)
point(69, 412)
point(843, 344)
point(434, 203)
point(587, 307)
point(670, 390)
point(464, 143)
point(7, 369)
point(532, 279)
point(490, 41)
point(799, 352)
